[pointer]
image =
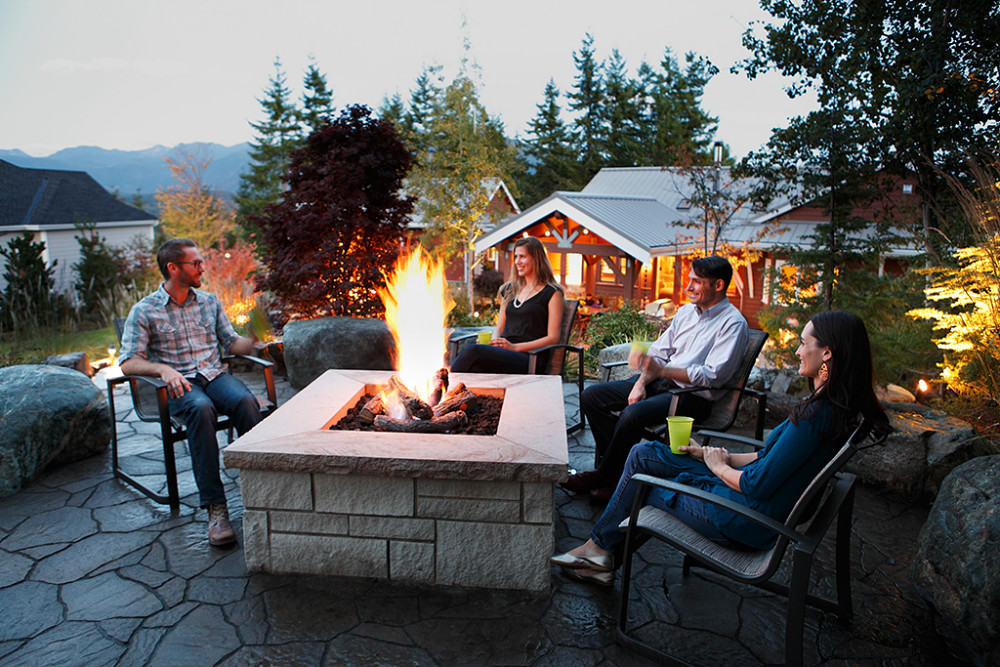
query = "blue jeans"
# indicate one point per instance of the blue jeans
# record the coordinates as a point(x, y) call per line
point(617, 425)
point(488, 359)
point(645, 458)
point(200, 409)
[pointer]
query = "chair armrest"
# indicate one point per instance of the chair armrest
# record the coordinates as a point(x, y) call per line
point(257, 360)
point(266, 367)
point(462, 337)
point(554, 346)
point(149, 379)
point(732, 437)
point(533, 354)
point(614, 364)
point(725, 503)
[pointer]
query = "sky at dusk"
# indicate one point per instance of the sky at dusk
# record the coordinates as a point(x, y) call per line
point(133, 74)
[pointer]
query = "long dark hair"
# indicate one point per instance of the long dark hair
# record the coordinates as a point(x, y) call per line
point(849, 387)
point(543, 269)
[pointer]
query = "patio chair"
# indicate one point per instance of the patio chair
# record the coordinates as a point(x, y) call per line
point(829, 496)
point(149, 398)
point(557, 360)
point(724, 410)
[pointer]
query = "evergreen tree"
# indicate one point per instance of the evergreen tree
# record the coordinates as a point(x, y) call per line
point(100, 268)
point(417, 119)
point(317, 101)
point(587, 100)
point(276, 136)
point(673, 124)
point(623, 142)
point(27, 300)
point(550, 162)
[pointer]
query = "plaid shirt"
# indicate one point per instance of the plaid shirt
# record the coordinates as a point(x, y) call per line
point(186, 337)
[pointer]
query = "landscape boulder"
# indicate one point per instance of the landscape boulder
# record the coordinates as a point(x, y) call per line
point(49, 415)
point(957, 565)
point(923, 448)
point(312, 347)
point(75, 360)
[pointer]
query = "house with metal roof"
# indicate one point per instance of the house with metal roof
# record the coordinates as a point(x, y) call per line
point(49, 204)
point(631, 233)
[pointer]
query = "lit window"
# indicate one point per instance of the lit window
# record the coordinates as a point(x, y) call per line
point(907, 189)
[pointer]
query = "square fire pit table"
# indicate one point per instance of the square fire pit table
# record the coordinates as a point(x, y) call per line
point(464, 510)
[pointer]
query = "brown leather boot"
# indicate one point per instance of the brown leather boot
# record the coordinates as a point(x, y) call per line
point(220, 532)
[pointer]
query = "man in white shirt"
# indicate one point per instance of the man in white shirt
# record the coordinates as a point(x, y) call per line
point(701, 348)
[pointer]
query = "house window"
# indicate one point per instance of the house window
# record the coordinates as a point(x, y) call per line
point(907, 189)
point(607, 275)
point(684, 205)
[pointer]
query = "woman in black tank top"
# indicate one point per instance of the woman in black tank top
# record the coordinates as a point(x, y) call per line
point(531, 308)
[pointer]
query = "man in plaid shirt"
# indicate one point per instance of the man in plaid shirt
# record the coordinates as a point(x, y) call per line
point(175, 334)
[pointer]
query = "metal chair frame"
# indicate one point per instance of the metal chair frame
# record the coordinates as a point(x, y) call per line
point(149, 398)
point(829, 497)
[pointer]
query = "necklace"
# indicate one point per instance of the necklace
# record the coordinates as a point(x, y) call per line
point(520, 302)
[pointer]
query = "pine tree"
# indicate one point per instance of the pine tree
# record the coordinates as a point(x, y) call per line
point(548, 153)
point(587, 99)
point(276, 137)
point(416, 120)
point(675, 127)
point(317, 101)
point(623, 98)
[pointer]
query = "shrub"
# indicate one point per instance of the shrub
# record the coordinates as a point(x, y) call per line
point(28, 301)
point(623, 325)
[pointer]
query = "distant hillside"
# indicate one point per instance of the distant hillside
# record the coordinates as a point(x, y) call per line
point(142, 171)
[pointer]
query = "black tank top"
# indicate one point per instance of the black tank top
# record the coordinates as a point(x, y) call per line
point(530, 321)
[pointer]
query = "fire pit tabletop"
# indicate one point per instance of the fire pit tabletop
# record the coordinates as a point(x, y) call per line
point(530, 444)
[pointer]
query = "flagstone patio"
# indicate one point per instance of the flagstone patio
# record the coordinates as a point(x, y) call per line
point(92, 573)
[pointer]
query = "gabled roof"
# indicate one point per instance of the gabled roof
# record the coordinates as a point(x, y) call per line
point(50, 197)
point(646, 212)
point(493, 186)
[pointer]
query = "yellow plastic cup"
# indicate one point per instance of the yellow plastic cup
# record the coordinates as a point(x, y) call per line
point(679, 429)
point(484, 337)
point(639, 347)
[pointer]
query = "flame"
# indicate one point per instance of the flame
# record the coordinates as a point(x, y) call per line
point(416, 304)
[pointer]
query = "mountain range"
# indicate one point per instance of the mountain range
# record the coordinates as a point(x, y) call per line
point(142, 171)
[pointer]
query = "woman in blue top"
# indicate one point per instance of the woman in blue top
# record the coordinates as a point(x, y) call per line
point(531, 311)
point(836, 357)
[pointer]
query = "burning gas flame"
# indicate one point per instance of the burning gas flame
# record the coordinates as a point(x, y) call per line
point(416, 304)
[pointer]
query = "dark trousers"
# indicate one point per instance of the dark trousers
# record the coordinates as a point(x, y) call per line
point(488, 359)
point(200, 408)
point(618, 426)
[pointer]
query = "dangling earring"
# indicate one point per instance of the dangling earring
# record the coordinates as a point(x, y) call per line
point(824, 373)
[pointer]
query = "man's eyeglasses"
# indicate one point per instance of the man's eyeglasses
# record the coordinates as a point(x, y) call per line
point(197, 263)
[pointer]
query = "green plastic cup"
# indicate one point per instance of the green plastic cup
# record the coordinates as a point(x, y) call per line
point(484, 337)
point(679, 429)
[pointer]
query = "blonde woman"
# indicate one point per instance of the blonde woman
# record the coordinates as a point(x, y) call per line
point(531, 311)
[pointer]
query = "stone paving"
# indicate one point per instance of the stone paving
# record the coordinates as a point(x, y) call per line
point(93, 573)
